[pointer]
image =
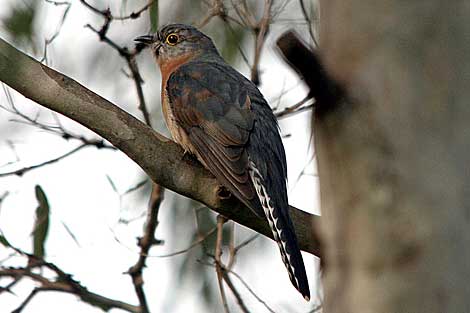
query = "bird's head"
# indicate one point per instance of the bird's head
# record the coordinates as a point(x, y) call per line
point(177, 41)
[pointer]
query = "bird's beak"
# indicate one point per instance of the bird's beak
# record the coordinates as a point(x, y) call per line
point(146, 39)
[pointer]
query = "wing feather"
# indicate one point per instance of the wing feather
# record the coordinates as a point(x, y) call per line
point(214, 111)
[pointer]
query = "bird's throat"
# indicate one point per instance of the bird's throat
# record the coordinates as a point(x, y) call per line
point(169, 65)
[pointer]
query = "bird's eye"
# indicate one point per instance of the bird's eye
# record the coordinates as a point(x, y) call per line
point(172, 39)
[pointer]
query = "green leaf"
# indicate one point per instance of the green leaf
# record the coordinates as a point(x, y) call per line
point(4, 241)
point(20, 22)
point(232, 40)
point(153, 13)
point(41, 226)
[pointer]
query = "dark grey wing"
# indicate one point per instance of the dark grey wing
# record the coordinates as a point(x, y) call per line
point(269, 172)
point(213, 108)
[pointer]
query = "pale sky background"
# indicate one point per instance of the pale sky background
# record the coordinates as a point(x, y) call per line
point(82, 198)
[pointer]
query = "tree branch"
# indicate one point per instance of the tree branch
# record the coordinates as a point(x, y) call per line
point(158, 156)
point(65, 284)
point(306, 62)
point(145, 243)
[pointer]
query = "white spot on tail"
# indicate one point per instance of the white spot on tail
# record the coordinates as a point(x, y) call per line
point(268, 209)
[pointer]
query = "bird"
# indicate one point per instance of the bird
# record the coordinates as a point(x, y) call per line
point(218, 115)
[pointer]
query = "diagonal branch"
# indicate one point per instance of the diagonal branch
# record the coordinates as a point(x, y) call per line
point(158, 156)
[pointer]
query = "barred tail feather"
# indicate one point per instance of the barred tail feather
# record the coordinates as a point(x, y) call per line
point(284, 235)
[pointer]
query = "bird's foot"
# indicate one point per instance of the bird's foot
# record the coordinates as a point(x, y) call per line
point(187, 156)
point(223, 193)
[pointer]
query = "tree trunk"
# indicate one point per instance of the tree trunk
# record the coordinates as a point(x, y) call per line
point(394, 157)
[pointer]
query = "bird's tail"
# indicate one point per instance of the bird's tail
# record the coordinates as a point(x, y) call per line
point(283, 233)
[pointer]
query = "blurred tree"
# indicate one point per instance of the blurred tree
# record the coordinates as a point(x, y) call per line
point(392, 138)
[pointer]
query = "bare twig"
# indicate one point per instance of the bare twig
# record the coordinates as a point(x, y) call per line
point(245, 243)
point(63, 283)
point(71, 234)
point(29, 298)
point(216, 8)
point(148, 239)
point(23, 170)
point(261, 30)
point(192, 245)
point(138, 86)
point(135, 187)
point(55, 129)
point(3, 196)
point(296, 108)
point(123, 51)
point(316, 309)
point(231, 246)
point(145, 243)
point(244, 284)
point(49, 40)
point(129, 56)
point(236, 294)
point(57, 3)
point(136, 14)
point(218, 263)
point(309, 22)
point(106, 13)
point(251, 290)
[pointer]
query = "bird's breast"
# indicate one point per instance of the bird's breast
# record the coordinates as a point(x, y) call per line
point(177, 133)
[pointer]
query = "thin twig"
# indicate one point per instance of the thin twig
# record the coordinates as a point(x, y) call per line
point(136, 187)
point(231, 246)
point(251, 290)
point(122, 50)
point(131, 62)
point(54, 129)
point(309, 22)
point(145, 243)
point(148, 238)
point(245, 243)
point(232, 288)
point(23, 170)
point(316, 309)
point(261, 30)
point(135, 14)
point(3, 196)
point(29, 298)
point(244, 284)
point(218, 263)
point(217, 8)
point(194, 244)
point(97, 11)
point(63, 283)
point(129, 56)
point(48, 41)
point(295, 108)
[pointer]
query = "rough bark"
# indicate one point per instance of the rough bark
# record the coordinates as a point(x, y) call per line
point(394, 157)
point(158, 156)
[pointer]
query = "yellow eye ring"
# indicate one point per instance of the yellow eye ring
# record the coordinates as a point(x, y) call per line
point(172, 39)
